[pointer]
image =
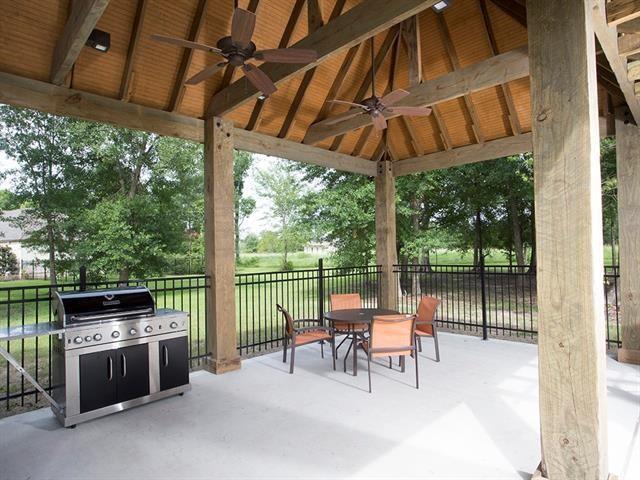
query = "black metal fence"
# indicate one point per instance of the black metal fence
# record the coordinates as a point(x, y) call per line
point(490, 300)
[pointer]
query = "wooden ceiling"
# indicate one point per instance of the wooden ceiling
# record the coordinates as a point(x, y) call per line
point(428, 46)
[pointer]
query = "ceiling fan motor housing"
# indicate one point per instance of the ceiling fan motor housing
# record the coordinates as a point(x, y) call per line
point(234, 53)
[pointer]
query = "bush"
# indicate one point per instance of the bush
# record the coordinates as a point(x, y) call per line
point(287, 266)
point(8, 261)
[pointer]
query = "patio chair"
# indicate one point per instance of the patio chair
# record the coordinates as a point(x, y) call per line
point(391, 335)
point(305, 335)
point(346, 301)
point(425, 326)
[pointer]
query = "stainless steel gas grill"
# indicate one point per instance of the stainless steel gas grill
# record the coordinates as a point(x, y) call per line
point(116, 352)
point(112, 350)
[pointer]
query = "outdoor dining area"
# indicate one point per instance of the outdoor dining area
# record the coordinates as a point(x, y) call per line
point(376, 89)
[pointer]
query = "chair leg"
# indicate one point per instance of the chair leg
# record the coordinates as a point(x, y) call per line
point(402, 364)
point(284, 351)
point(419, 343)
point(416, 358)
point(369, 370)
point(390, 362)
point(322, 349)
point(333, 350)
point(435, 342)
point(345, 358)
point(293, 357)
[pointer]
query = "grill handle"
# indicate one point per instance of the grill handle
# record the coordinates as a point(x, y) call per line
point(124, 365)
point(165, 355)
point(109, 368)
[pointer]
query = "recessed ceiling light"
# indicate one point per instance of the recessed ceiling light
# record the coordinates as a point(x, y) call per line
point(442, 5)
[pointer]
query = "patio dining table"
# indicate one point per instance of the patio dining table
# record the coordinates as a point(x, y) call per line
point(352, 317)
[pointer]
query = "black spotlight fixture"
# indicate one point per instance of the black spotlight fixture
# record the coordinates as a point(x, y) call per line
point(99, 40)
point(441, 6)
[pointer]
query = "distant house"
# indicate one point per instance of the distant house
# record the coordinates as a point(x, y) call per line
point(29, 261)
point(319, 248)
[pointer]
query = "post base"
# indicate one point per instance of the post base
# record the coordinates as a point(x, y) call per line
point(220, 366)
point(628, 355)
point(537, 475)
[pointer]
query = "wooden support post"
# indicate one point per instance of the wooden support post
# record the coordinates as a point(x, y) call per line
point(571, 329)
point(219, 245)
point(628, 168)
point(386, 255)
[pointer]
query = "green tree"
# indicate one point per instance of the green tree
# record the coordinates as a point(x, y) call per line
point(250, 243)
point(8, 261)
point(283, 188)
point(8, 200)
point(244, 206)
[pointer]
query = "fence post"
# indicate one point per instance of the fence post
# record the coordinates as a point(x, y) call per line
point(484, 298)
point(320, 291)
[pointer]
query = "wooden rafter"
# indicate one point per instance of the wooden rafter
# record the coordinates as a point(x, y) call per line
point(515, 10)
point(488, 73)
point(362, 141)
point(621, 11)
point(82, 20)
point(455, 64)
point(629, 44)
point(608, 38)
point(187, 56)
point(364, 20)
point(314, 16)
point(256, 113)
point(134, 40)
point(366, 81)
point(516, 129)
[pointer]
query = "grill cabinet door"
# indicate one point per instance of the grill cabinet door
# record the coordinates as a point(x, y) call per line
point(174, 363)
point(97, 380)
point(132, 372)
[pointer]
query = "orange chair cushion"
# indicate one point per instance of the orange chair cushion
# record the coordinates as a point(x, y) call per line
point(313, 336)
point(365, 347)
point(426, 313)
point(345, 301)
point(422, 333)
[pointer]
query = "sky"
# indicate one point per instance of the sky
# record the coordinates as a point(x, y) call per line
point(6, 163)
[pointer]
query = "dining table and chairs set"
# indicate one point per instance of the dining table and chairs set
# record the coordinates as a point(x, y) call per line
point(378, 332)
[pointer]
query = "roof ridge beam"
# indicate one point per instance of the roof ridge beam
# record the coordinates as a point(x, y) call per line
point(351, 28)
point(494, 71)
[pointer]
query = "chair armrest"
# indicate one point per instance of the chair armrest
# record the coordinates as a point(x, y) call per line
point(306, 320)
point(313, 329)
point(425, 322)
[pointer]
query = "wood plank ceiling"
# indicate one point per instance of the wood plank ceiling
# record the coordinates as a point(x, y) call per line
point(140, 71)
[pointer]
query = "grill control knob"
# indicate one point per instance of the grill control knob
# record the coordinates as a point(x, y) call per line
point(133, 331)
point(87, 338)
point(77, 340)
point(173, 325)
point(115, 334)
point(97, 337)
point(148, 329)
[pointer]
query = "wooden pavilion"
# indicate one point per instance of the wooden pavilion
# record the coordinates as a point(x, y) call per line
point(502, 77)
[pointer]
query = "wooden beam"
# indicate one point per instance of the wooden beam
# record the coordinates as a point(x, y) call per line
point(134, 40)
point(82, 20)
point(386, 251)
point(632, 26)
point(410, 33)
point(621, 11)
point(633, 70)
point(314, 16)
point(362, 140)
point(571, 323)
point(628, 172)
point(256, 113)
point(364, 20)
point(179, 87)
point(514, 121)
point(608, 38)
point(629, 44)
point(488, 73)
point(28, 93)
point(514, 9)
point(219, 245)
point(479, 152)
point(363, 91)
point(455, 64)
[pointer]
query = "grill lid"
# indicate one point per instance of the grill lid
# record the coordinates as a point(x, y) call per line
point(96, 305)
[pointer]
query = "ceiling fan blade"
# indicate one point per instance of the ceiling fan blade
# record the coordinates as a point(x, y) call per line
point(242, 26)
point(393, 97)
point(354, 112)
point(344, 102)
point(410, 111)
point(287, 55)
point(259, 79)
point(206, 73)
point(379, 122)
point(179, 42)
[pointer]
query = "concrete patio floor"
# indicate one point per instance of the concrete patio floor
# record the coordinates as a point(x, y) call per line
point(475, 416)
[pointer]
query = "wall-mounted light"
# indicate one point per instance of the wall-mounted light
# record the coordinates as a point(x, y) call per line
point(99, 40)
point(262, 97)
point(441, 6)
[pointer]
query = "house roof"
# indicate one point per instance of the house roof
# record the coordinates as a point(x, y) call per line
point(9, 232)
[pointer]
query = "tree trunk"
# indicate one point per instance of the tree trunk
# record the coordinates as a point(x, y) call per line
point(53, 275)
point(124, 275)
point(415, 226)
point(518, 244)
point(477, 241)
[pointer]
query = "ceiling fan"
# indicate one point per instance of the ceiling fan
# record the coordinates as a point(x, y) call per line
point(376, 106)
point(238, 48)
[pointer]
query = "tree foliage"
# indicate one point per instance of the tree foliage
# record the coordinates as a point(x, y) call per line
point(8, 261)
